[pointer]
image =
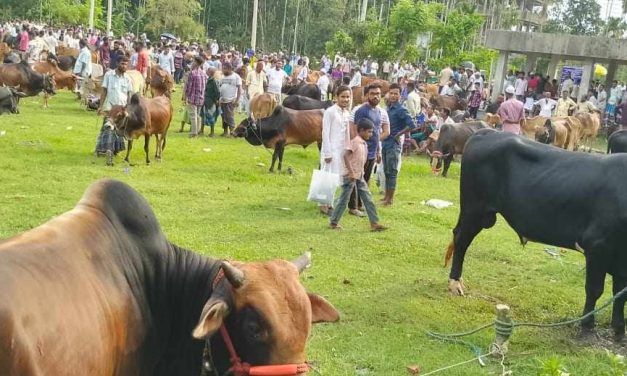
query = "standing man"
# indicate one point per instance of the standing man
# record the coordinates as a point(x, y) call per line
point(323, 84)
point(546, 105)
point(52, 42)
point(413, 100)
point(379, 117)
point(194, 94)
point(511, 112)
point(212, 102)
point(143, 60)
point(520, 88)
point(386, 70)
point(82, 67)
point(276, 79)
point(24, 41)
point(565, 105)
point(445, 76)
point(116, 55)
point(304, 72)
point(400, 124)
point(615, 96)
point(230, 93)
point(179, 55)
point(166, 60)
point(255, 81)
point(356, 82)
point(602, 99)
point(105, 53)
point(117, 89)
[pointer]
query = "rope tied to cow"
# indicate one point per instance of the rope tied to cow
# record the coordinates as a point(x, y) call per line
point(506, 328)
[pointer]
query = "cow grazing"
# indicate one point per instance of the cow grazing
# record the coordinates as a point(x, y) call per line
point(583, 211)
point(452, 140)
point(112, 296)
point(23, 76)
point(617, 142)
point(161, 82)
point(298, 102)
point(9, 100)
point(262, 105)
point(284, 127)
point(308, 90)
point(143, 116)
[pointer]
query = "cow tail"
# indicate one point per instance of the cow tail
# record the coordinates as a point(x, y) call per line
point(449, 252)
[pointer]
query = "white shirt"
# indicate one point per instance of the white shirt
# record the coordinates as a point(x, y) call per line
point(82, 66)
point(228, 87)
point(118, 88)
point(52, 43)
point(323, 85)
point(520, 87)
point(302, 75)
point(166, 62)
point(413, 104)
point(356, 80)
point(214, 48)
point(335, 134)
point(546, 106)
point(275, 80)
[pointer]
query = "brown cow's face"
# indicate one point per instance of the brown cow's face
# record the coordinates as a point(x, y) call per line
point(271, 316)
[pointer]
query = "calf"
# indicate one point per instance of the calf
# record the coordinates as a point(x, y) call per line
point(284, 127)
point(143, 116)
point(451, 140)
point(617, 143)
point(299, 102)
point(584, 211)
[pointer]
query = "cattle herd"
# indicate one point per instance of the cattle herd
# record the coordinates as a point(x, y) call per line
point(146, 306)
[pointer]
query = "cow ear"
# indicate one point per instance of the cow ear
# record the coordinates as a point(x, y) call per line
point(322, 310)
point(211, 319)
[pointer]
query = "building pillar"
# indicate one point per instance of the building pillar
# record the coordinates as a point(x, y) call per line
point(500, 72)
point(586, 78)
point(611, 73)
point(555, 60)
point(532, 59)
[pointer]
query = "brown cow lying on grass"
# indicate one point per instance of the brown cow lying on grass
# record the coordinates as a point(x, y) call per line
point(284, 127)
point(143, 116)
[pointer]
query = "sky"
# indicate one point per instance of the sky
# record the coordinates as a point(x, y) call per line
point(614, 7)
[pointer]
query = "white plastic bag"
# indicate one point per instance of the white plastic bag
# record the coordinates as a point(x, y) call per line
point(437, 203)
point(323, 187)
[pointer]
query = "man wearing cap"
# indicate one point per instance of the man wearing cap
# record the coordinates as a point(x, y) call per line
point(511, 112)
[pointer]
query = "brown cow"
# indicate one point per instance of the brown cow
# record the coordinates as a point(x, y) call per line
point(451, 140)
point(26, 80)
point(554, 132)
point(4, 50)
point(161, 82)
point(262, 105)
point(358, 91)
point(452, 102)
point(63, 80)
point(74, 52)
point(143, 116)
point(590, 124)
point(284, 127)
point(114, 296)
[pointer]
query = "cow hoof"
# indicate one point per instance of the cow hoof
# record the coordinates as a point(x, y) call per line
point(619, 335)
point(588, 335)
point(456, 287)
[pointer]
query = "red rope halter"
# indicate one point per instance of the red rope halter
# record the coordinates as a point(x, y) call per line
point(240, 368)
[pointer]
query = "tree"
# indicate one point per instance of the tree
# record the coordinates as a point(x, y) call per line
point(341, 42)
point(615, 27)
point(408, 19)
point(174, 16)
point(577, 17)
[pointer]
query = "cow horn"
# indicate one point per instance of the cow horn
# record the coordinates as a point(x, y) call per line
point(303, 262)
point(234, 275)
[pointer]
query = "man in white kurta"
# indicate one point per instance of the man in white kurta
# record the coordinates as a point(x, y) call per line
point(335, 135)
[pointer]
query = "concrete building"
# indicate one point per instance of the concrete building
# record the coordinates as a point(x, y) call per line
point(588, 50)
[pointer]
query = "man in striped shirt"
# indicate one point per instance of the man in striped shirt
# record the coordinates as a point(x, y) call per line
point(194, 94)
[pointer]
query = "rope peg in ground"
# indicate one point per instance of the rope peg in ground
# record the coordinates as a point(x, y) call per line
point(503, 326)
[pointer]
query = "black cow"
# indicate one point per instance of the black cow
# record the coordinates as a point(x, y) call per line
point(451, 141)
point(617, 143)
point(299, 102)
point(112, 296)
point(307, 90)
point(24, 77)
point(9, 100)
point(284, 127)
point(551, 196)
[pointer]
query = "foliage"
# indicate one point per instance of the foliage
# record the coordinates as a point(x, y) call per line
point(615, 27)
point(552, 367)
point(173, 16)
point(617, 366)
point(577, 17)
point(458, 32)
point(340, 43)
point(408, 19)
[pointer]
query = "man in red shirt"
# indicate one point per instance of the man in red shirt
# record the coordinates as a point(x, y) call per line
point(532, 83)
point(143, 61)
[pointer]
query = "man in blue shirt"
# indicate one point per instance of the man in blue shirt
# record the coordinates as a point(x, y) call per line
point(370, 110)
point(400, 123)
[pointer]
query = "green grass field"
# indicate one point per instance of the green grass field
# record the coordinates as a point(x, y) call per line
point(210, 195)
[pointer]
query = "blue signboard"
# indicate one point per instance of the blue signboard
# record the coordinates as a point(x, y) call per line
point(574, 72)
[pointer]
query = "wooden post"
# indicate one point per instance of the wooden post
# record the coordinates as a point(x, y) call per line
point(502, 339)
